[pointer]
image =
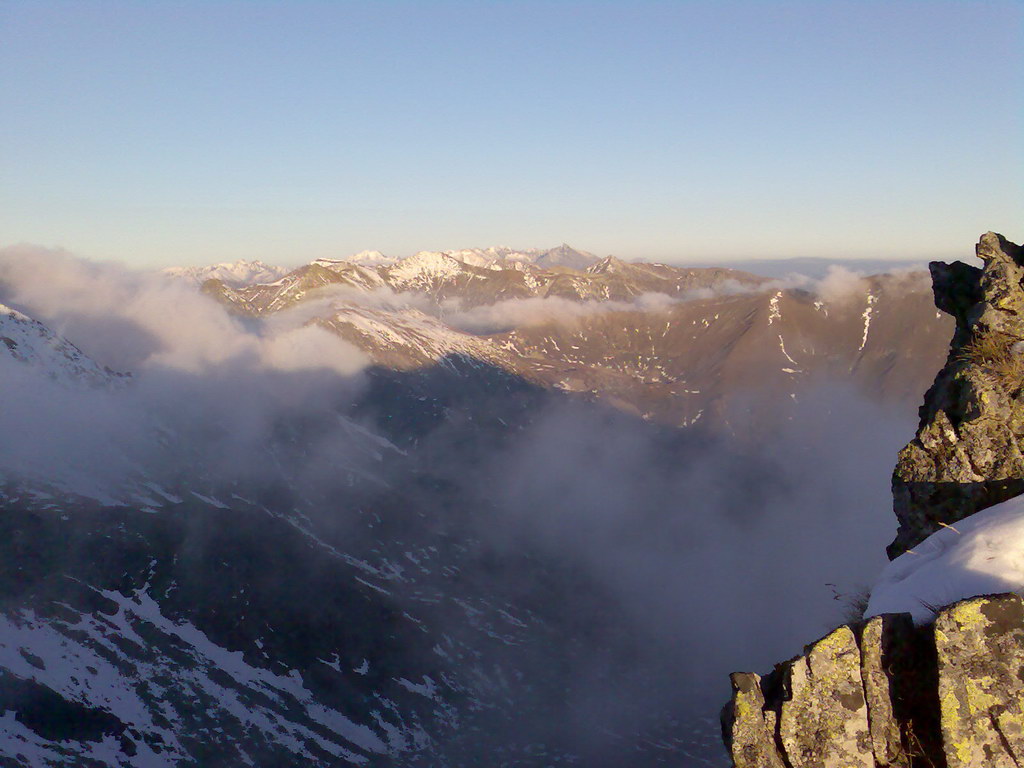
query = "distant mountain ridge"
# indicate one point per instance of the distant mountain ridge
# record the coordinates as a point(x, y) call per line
point(675, 344)
point(239, 272)
point(243, 272)
point(472, 280)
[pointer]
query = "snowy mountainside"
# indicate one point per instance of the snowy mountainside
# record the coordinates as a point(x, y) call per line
point(408, 338)
point(426, 270)
point(237, 273)
point(29, 342)
point(144, 648)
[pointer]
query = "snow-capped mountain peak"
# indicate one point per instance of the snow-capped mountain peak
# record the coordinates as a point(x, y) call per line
point(565, 256)
point(371, 259)
point(236, 273)
point(424, 268)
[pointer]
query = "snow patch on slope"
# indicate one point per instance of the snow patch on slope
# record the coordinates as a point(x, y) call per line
point(409, 331)
point(774, 313)
point(867, 320)
point(85, 662)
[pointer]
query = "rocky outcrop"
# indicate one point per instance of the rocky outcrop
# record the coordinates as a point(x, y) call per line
point(830, 731)
point(980, 645)
point(886, 694)
point(967, 454)
point(785, 720)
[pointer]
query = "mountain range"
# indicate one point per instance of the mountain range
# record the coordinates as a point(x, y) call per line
point(669, 343)
point(465, 551)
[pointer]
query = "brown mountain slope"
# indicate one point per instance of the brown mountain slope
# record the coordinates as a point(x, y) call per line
point(704, 358)
point(642, 336)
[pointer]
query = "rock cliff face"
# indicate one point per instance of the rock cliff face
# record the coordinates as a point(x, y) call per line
point(967, 454)
point(887, 694)
point(884, 693)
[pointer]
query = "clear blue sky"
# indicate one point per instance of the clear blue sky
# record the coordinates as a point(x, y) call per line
point(188, 132)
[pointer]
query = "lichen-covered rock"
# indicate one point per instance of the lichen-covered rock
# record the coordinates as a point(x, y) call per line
point(749, 737)
point(811, 711)
point(824, 723)
point(904, 696)
point(967, 454)
point(882, 640)
point(980, 644)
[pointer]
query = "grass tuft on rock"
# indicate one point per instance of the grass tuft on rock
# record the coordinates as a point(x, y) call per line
point(998, 355)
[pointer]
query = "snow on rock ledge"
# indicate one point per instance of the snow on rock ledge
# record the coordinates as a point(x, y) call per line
point(981, 555)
